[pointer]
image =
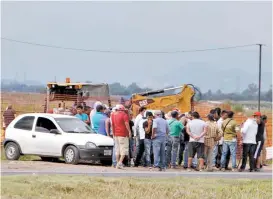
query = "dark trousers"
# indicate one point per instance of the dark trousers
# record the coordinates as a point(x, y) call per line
point(181, 153)
point(140, 152)
point(248, 150)
point(219, 155)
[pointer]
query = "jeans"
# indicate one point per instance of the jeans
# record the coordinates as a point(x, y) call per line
point(181, 153)
point(114, 160)
point(248, 150)
point(217, 155)
point(140, 152)
point(131, 148)
point(137, 140)
point(159, 144)
point(171, 156)
point(232, 147)
point(148, 147)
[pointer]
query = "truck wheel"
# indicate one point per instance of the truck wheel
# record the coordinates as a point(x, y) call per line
point(71, 155)
point(12, 151)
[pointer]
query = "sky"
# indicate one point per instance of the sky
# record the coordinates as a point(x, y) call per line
point(138, 26)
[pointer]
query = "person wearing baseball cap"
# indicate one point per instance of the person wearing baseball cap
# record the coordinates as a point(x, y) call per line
point(121, 133)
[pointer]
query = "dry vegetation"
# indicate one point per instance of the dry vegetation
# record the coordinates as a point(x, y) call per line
point(71, 187)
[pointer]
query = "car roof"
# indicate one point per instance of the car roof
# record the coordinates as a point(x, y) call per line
point(47, 115)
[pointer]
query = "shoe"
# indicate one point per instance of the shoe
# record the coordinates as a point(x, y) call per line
point(150, 168)
point(223, 169)
point(120, 166)
point(201, 170)
point(250, 170)
point(189, 170)
point(265, 165)
point(257, 170)
point(233, 170)
point(241, 170)
point(228, 169)
point(173, 167)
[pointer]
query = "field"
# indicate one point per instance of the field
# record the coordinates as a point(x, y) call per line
point(70, 187)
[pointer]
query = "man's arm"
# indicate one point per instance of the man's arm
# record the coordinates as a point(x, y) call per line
point(126, 120)
point(128, 129)
point(167, 128)
point(147, 127)
point(245, 127)
point(154, 129)
point(205, 130)
point(87, 121)
point(112, 125)
point(107, 126)
point(189, 132)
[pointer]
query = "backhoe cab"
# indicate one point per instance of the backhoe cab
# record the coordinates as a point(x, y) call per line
point(77, 93)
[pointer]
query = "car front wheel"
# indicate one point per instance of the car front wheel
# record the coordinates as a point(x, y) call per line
point(12, 151)
point(71, 155)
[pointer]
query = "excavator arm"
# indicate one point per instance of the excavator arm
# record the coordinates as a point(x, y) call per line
point(182, 100)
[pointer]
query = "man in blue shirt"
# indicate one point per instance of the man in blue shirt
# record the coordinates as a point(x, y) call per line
point(97, 117)
point(159, 134)
point(81, 115)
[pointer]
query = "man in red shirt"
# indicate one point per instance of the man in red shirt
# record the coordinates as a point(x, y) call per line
point(121, 133)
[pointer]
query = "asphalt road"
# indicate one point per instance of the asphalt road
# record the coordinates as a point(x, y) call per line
point(9, 168)
point(234, 175)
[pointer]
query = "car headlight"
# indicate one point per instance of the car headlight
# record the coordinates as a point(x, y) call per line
point(90, 145)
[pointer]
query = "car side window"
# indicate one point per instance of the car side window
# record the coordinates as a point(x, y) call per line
point(44, 125)
point(25, 123)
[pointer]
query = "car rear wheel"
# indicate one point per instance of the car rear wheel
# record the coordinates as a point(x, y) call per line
point(12, 151)
point(71, 155)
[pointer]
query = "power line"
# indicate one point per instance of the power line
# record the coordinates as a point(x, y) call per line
point(125, 52)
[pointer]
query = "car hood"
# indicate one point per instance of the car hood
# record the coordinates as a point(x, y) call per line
point(97, 139)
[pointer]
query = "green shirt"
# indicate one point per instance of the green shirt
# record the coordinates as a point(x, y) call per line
point(175, 127)
point(230, 132)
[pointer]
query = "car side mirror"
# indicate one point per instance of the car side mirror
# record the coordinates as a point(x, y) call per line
point(55, 131)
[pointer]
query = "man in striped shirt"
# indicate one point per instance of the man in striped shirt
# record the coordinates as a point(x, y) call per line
point(214, 133)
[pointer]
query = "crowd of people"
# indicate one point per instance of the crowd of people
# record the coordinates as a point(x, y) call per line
point(155, 140)
point(161, 141)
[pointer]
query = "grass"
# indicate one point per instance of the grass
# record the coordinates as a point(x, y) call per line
point(71, 187)
point(23, 158)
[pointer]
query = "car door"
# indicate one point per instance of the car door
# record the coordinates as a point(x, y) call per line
point(22, 133)
point(46, 143)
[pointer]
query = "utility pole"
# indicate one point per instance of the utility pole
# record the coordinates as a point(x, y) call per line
point(260, 76)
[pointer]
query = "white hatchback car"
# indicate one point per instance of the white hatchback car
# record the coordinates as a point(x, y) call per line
point(52, 136)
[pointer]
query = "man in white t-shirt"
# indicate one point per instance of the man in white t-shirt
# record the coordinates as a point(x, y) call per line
point(139, 117)
point(249, 132)
point(196, 129)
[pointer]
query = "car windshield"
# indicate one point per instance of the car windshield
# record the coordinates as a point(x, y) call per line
point(73, 125)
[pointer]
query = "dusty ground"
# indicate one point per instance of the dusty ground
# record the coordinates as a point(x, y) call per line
point(40, 167)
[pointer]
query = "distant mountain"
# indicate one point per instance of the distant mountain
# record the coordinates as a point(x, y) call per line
point(204, 77)
point(27, 82)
